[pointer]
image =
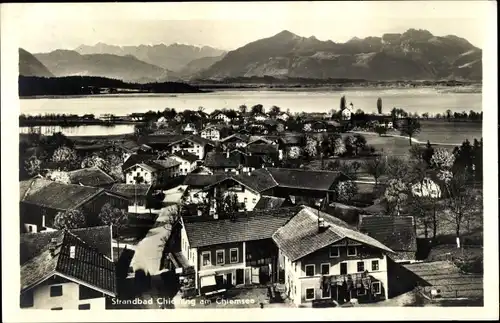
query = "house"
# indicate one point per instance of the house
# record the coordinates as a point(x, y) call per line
point(137, 116)
point(286, 182)
point(263, 140)
point(396, 232)
point(267, 151)
point(232, 251)
point(346, 114)
point(152, 172)
point(259, 116)
point(193, 144)
point(131, 147)
point(290, 142)
point(283, 116)
point(189, 129)
point(195, 183)
point(246, 194)
point(326, 260)
point(67, 270)
point(235, 140)
point(161, 142)
point(138, 196)
point(41, 200)
point(220, 116)
point(161, 121)
point(233, 162)
point(93, 176)
point(213, 132)
point(187, 161)
point(201, 170)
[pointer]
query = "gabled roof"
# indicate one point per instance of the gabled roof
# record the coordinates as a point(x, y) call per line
point(88, 266)
point(300, 236)
point(156, 165)
point(93, 176)
point(259, 180)
point(269, 202)
point(305, 179)
point(166, 139)
point(200, 181)
point(186, 156)
point(217, 126)
point(195, 139)
point(396, 232)
point(262, 149)
point(247, 226)
point(56, 195)
point(137, 159)
point(34, 243)
point(130, 190)
point(235, 136)
point(215, 159)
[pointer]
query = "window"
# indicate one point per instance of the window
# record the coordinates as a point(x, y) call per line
point(352, 251)
point(205, 256)
point(220, 256)
point(84, 307)
point(56, 291)
point(361, 266)
point(245, 200)
point(325, 269)
point(376, 287)
point(309, 270)
point(56, 308)
point(326, 292)
point(309, 294)
point(361, 291)
point(334, 252)
point(375, 265)
point(233, 255)
point(27, 299)
point(254, 200)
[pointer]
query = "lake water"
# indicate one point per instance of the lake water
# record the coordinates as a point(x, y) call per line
point(87, 130)
point(411, 100)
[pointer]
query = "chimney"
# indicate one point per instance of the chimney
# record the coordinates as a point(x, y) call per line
point(52, 246)
point(321, 224)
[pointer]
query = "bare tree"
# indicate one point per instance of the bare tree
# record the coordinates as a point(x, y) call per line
point(410, 128)
point(376, 167)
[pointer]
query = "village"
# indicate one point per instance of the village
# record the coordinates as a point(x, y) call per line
point(252, 207)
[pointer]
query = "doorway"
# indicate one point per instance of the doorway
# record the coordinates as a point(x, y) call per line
point(343, 268)
point(229, 279)
point(239, 276)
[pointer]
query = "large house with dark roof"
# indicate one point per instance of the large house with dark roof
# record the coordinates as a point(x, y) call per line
point(234, 162)
point(327, 260)
point(232, 251)
point(193, 144)
point(396, 232)
point(67, 269)
point(93, 176)
point(41, 200)
point(157, 172)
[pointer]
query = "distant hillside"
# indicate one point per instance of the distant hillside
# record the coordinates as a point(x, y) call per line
point(30, 66)
point(198, 65)
point(126, 68)
point(174, 57)
point(87, 85)
point(412, 55)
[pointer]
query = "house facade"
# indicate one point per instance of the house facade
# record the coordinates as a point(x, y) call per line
point(195, 145)
point(138, 196)
point(156, 172)
point(326, 260)
point(220, 116)
point(232, 252)
point(187, 161)
point(347, 112)
point(211, 132)
point(246, 196)
point(41, 200)
point(56, 270)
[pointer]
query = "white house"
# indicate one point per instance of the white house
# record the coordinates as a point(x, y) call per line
point(325, 259)
point(211, 132)
point(67, 270)
point(190, 128)
point(221, 116)
point(347, 112)
point(194, 145)
point(187, 161)
point(154, 172)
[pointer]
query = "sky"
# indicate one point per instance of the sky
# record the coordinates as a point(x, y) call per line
point(46, 27)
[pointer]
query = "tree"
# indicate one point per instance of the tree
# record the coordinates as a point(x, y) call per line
point(257, 109)
point(311, 148)
point(379, 105)
point(360, 142)
point(115, 163)
point(71, 219)
point(425, 115)
point(375, 167)
point(243, 109)
point(396, 193)
point(380, 130)
point(442, 160)
point(110, 215)
point(345, 191)
point(280, 127)
point(350, 144)
point(342, 103)
point(410, 128)
point(448, 115)
point(65, 158)
point(32, 165)
point(59, 176)
point(427, 153)
point(94, 161)
point(294, 152)
point(340, 148)
point(275, 110)
point(397, 167)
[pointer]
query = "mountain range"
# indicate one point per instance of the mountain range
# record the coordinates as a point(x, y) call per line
point(412, 55)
